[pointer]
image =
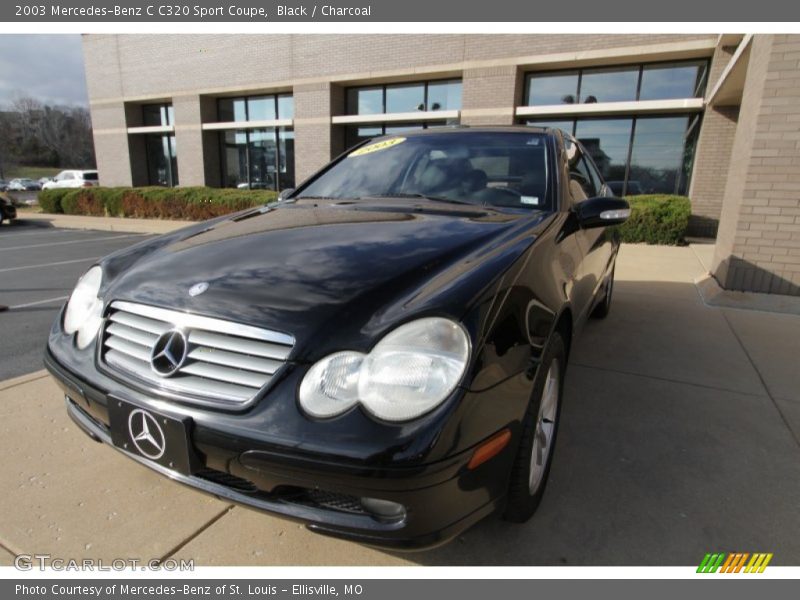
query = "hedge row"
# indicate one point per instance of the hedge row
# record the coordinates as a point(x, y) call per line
point(190, 203)
point(656, 219)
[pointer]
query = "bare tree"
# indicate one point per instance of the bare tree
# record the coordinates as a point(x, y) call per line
point(56, 136)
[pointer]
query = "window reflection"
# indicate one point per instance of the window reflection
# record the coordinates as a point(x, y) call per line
point(256, 108)
point(404, 97)
point(661, 150)
point(607, 142)
point(285, 106)
point(559, 88)
point(258, 158)
point(444, 95)
point(357, 134)
point(657, 81)
point(262, 109)
point(365, 101)
point(162, 160)
point(673, 80)
point(158, 115)
point(660, 157)
point(609, 85)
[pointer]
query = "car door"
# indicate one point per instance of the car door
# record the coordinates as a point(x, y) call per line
point(594, 245)
point(601, 238)
point(67, 180)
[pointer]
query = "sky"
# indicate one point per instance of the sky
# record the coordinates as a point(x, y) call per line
point(48, 68)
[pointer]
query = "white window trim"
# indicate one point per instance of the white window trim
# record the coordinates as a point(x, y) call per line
point(248, 124)
point(151, 129)
point(613, 108)
point(422, 115)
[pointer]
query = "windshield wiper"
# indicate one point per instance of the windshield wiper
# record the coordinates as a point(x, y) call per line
point(420, 196)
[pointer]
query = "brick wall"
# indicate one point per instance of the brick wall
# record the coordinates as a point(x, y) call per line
point(189, 140)
point(192, 69)
point(114, 161)
point(712, 154)
point(123, 65)
point(314, 138)
point(758, 247)
point(490, 94)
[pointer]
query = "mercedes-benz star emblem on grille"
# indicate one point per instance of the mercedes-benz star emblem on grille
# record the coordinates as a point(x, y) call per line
point(146, 434)
point(198, 288)
point(169, 353)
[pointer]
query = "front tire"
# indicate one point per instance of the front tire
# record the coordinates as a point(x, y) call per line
point(540, 428)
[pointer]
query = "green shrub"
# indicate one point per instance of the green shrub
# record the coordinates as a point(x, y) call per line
point(50, 200)
point(191, 203)
point(656, 219)
point(82, 202)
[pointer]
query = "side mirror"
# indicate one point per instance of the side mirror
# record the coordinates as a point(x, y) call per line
point(285, 194)
point(602, 212)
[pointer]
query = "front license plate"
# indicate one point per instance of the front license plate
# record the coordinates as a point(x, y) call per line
point(151, 435)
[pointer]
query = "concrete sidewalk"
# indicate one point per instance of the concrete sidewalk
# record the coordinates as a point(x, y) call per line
point(679, 437)
point(157, 226)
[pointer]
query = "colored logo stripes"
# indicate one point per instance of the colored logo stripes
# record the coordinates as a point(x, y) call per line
point(734, 562)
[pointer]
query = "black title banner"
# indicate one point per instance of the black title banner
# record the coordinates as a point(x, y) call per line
point(399, 11)
point(396, 589)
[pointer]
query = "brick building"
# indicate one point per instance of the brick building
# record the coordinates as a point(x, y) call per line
point(713, 117)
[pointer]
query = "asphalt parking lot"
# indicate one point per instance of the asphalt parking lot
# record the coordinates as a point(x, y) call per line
point(39, 267)
point(680, 435)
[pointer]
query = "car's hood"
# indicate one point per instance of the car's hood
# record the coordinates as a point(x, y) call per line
point(319, 270)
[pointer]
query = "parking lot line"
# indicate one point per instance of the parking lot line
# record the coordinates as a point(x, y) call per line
point(38, 302)
point(100, 239)
point(52, 264)
point(42, 231)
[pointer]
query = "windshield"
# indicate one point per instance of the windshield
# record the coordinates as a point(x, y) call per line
point(507, 169)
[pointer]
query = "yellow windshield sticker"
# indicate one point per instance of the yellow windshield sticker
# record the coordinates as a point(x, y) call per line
point(377, 146)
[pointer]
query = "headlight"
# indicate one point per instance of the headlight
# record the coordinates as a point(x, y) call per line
point(85, 310)
point(408, 373)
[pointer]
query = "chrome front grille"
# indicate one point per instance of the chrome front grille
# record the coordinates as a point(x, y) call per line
point(225, 363)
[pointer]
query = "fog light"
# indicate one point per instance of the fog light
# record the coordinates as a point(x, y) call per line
point(384, 509)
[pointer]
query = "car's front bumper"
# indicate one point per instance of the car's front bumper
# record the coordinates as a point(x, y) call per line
point(441, 499)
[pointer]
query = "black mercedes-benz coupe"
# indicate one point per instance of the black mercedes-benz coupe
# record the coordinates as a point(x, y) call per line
point(380, 354)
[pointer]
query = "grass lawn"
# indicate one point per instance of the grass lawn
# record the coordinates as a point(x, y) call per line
point(31, 172)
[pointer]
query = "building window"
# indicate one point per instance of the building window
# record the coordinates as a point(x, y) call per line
point(261, 158)
point(160, 149)
point(162, 160)
point(256, 108)
point(638, 155)
point(355, 134)
point(158, 115)
point(404, 97)
point(657, 81)
point(400, 98)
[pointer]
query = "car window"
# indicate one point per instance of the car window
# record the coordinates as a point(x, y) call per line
point(504, 169)
point(90, 175)
point(582, 184)
point(594, 173)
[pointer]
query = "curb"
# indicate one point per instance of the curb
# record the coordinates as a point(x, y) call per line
point(153, 226)
point(714, 295)
point(22, 379)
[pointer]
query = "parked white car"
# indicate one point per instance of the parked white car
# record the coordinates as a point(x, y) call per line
point(73, 179)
